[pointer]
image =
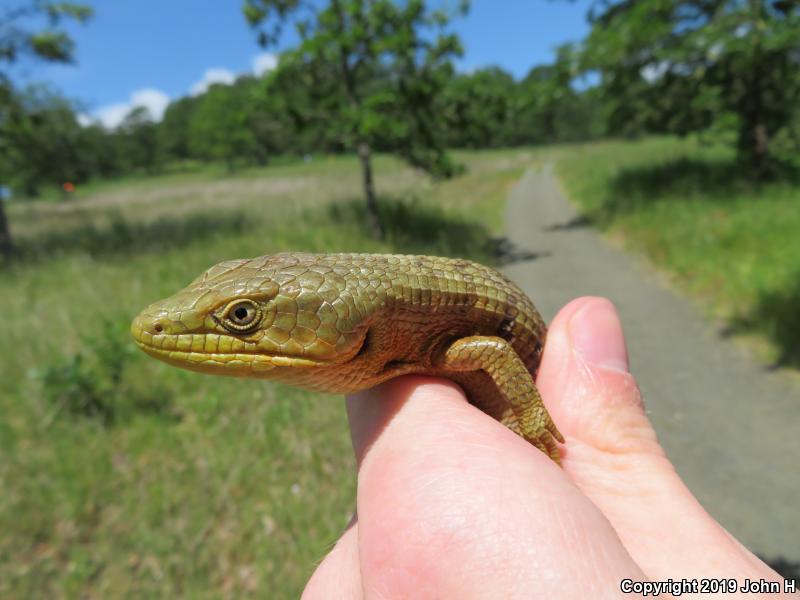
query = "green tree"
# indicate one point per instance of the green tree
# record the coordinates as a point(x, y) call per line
point(50, 41)
point(675, 65)
point(219, 129)
point(141, 140)
point(301, 95)
point(551, 109)
point(43, 142)
point(376, 68)
point(267, 129)
point(173, 130)
point(21, 34)
point(102, 152)
point(480, 109)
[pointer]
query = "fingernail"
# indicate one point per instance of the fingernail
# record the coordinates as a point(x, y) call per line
point(596, 333)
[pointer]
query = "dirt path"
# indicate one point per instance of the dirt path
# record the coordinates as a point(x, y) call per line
point(731, 427)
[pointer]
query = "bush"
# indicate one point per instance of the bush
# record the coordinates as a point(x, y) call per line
point(92, 383)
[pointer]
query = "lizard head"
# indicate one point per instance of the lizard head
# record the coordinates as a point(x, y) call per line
point(257, 317)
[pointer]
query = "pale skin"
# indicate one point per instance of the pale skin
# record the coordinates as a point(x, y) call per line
point(451, 504)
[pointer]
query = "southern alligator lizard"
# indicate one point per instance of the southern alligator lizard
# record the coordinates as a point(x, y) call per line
point(345, 322)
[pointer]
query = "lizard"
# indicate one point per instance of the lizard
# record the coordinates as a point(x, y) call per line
point(341, 323)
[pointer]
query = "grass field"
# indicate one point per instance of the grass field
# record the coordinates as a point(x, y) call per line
point(687, 206)
point(123, 477)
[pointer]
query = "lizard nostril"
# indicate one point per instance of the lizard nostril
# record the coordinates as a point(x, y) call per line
point(158, 328)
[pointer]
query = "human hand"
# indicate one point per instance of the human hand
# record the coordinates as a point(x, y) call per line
point(451, 504)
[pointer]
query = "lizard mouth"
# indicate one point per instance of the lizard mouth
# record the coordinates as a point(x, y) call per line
point(225, 362)
point(211, 353)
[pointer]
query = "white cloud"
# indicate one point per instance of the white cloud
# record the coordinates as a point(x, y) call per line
point(153, 100)
point(111, 116)
point(210, 77)
point(156, 101)
point(264, 62)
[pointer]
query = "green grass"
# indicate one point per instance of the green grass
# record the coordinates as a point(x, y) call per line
point(687, 206)
point(124, 477)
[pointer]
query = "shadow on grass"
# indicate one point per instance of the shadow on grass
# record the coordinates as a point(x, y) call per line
point(123, 237)
point(777, 315)
point(684, 178)
point(416, 228)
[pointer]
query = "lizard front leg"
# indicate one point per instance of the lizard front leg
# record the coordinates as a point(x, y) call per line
point(496, 357)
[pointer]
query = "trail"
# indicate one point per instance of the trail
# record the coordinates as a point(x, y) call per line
point(730, 426)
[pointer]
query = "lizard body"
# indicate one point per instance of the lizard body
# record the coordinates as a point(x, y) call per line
point(346, 322)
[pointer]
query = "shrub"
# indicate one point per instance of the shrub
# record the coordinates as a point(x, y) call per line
point(92, 383)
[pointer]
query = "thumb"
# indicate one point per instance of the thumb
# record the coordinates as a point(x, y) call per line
point(613, 456)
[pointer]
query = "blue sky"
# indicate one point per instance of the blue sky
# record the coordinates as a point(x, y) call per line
point(152, 51)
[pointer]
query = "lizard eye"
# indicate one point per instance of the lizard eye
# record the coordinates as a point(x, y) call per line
point(241, 316)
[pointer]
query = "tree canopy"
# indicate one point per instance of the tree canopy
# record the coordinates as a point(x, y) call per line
point(375, 69)
point(219, 127)
point(49, 42)
point(19, 38)
point(678, 65)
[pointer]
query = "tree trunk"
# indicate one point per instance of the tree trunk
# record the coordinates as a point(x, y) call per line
point(374, 217)
point(754, 134)
point(362, 146)
point(6, 247)
point(754, 144)
point(761, 159)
